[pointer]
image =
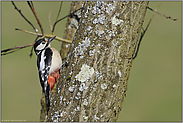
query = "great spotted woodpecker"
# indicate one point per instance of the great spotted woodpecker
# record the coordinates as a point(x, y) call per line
point(49, 63)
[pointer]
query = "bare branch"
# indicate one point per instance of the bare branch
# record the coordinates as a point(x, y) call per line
point(34, 12)
point(64, 18)
point(19, 11)
point(143, 33)
point(59, 10)
point(56, 18)
point(16, 48)
point(38, 34)
point(53, 29)
point(50, 21)
point(46, 36)
point(167, 17)
point(33, 47)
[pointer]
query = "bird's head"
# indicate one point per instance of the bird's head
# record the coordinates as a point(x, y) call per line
point(41, 44)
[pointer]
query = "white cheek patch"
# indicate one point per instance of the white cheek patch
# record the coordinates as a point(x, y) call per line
point(41, 46)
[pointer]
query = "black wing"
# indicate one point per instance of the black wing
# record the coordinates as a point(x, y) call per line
point(46, 57)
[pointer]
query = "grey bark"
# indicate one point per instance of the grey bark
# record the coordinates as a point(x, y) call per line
point(93, 85)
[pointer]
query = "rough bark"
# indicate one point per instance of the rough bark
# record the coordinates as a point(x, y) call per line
point(70, 29)
point(93, 85)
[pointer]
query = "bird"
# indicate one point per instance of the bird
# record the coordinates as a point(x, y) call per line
point(49, 63)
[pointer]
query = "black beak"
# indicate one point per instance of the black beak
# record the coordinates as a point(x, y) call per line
point(50, 39)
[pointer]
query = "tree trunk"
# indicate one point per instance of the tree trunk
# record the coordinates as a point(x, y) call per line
point(93, 84)
point(70, 29)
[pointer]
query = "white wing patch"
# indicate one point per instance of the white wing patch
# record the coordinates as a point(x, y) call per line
point(42, 62)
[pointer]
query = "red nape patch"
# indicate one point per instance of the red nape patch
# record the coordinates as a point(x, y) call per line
point(53, 78)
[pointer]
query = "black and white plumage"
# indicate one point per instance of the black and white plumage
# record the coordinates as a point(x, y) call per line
point(48, 61)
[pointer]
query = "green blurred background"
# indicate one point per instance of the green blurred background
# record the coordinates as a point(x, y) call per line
point(154, 87)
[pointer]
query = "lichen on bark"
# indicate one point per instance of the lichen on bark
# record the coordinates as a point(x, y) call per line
point(98, 63)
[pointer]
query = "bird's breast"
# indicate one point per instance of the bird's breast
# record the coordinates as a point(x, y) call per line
point(56, 61)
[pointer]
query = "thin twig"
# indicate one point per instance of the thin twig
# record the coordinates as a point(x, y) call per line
point(53, 29)
point(16, 48)
point(34, 12)
point(19, 11)
point(33, 47)
point(59, 10)
point(38, 34)
point(46, 36)
point(56, 17)
point(64, 18)
point(167, 17)
point(50, 21)
point(10, 50)
point(143, 33)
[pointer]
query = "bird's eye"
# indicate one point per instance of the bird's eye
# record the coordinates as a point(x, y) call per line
point(43, 42)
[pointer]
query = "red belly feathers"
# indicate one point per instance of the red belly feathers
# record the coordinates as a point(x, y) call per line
point(53, 78)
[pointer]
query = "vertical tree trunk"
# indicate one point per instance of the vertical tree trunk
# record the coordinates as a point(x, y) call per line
point(93, 85)
point(70, 29)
